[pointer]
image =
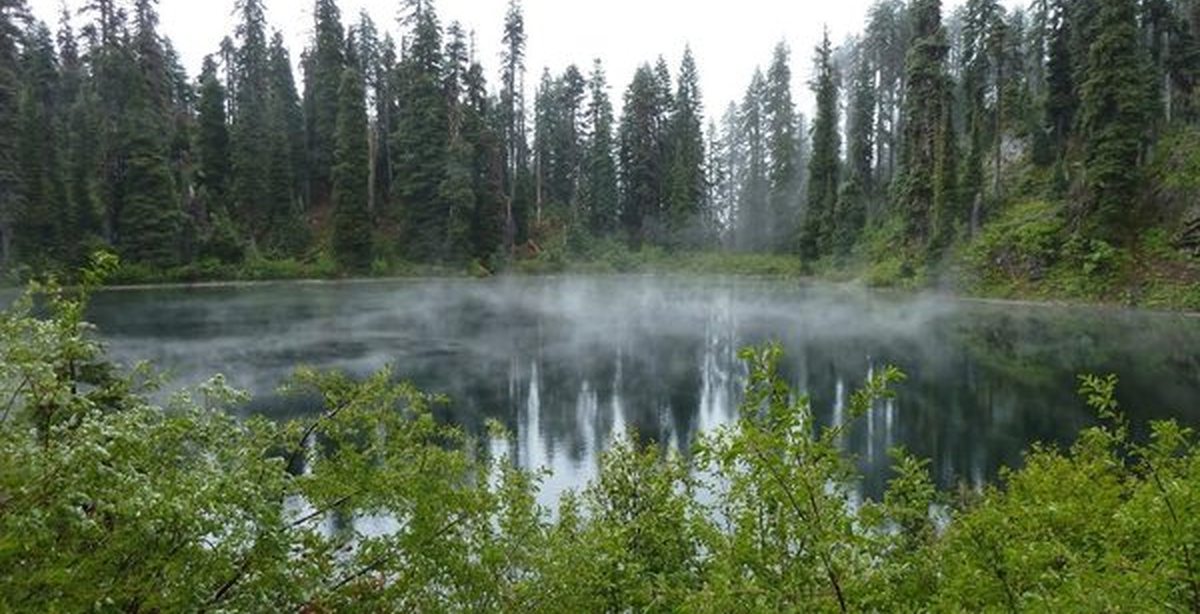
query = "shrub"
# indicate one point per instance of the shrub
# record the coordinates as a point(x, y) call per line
point(1021, 246)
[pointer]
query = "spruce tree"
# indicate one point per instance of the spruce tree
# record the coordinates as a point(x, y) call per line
point(212, 137)
point(687, 188)
point(512, 119)
point(600, 197)
point(823, 167)
point(641, 156)
point(78, 137)
point(783, 175)
point(39, 220)
point(1115, 112)
point(1061, 100)
point(926, 192)
point(857, 191)
point(150, 221)
point(479, 117)
point(457, 190)
point(351, 219)
point(250, 138)
point(421, 140)
point(288, 231)
point(887, 41)
point(326, 63)
point(753, 218)
point(10, 192)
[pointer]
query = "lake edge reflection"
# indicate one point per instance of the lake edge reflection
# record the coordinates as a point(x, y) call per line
point(567, 363)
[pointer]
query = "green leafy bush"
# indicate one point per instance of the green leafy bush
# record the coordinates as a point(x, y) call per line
point(1021, 246)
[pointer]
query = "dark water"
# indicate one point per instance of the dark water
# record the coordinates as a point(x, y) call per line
point(567, 363)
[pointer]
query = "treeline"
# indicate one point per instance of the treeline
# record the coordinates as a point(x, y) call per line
point(926, 126)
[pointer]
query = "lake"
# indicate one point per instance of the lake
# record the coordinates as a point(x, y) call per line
point(568, 363)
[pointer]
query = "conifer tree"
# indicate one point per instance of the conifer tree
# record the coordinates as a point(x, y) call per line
point(250, 138)
point(457, 190)
point(288, 230)
point(687, 189)
point(512, 118)
point(38, 224)
point(600, 198)
point(77, 138)
point(1061, 99)
point(1115, 113)
point(212, 137)
point(10, 193)
point(150, 221)
point(783, 175)
point(982, 63)
point(326, 63)
point(421, 139)
point(753, 219)
point(487, 225)
point(926, 193)
point(887, 41)
point(823, 167)
point(288, 113)
point(857, 191)
point(351, 219)
point(641, 156)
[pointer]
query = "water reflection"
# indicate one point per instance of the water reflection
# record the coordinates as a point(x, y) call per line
point(567, 364)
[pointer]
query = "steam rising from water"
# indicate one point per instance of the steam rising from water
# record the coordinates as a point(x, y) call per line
point(568, 363)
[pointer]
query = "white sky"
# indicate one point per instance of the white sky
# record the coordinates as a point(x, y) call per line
point(729, 39)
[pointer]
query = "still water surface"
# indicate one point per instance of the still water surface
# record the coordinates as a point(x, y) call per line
point(568, 363)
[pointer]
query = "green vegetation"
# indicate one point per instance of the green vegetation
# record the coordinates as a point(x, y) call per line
point(109, 502)
point(1045, 151)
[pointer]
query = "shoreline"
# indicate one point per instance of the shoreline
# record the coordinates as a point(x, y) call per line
point(951, 295)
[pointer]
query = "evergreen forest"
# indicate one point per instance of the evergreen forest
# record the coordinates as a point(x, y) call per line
point(1045, 150)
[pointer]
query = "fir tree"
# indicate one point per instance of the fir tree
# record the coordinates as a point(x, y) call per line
point(78, 131)
point(641, 156)
point(823, 167)
point(149, 221)
point(512, 117)
point(351, 219)
point(213, 136)
point(288, 230)
point(250, 138)
point(857, 191)
point(38, 224)
point(686, 188)
point(325, 65)
point(753, 219)
point(600, 197)
point(926, 192)
point(421, 139)
point(783, 173)
point(487, 225)
point(1115, 113)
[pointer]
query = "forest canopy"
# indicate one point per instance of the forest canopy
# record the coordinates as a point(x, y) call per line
point(931, 130)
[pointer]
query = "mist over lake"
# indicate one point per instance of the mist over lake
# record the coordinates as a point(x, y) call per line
point(568, 363)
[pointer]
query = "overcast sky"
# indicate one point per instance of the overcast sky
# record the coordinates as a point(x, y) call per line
point(729, 39)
